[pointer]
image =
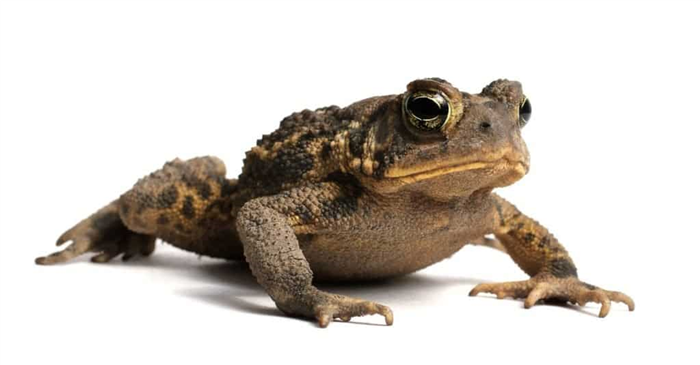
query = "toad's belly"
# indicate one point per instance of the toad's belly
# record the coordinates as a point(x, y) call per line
point(347, 256)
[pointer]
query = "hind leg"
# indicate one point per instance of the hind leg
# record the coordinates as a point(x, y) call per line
point(186, 203)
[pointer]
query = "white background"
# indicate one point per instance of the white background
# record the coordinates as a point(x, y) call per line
point(94, 95)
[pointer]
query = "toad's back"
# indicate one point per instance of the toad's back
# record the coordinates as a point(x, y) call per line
point(314, 146)
point(298, 152)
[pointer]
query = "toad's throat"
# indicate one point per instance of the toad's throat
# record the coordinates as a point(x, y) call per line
point(418, 173)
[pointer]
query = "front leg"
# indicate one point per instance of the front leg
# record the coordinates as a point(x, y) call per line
point(539, 254)
point(266, 227)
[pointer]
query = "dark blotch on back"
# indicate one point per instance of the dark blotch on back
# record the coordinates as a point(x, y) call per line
point(203, 188)
point(326, 151)
point(289, 165)
point(166, 198)
point(357, 141)
point(529, 237)
point(188, 207)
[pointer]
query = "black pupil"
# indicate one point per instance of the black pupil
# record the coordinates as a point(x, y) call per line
point(425, 108)
point(526, 110)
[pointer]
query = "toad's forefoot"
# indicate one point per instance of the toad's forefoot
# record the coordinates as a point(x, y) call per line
point(326, 307)
point(549, 287)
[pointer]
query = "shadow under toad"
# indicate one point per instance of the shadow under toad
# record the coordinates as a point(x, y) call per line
point(231, 285)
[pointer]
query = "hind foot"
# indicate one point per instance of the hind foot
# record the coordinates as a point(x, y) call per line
point(104, 233)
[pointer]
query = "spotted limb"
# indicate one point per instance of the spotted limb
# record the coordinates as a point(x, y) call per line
point(553, 274)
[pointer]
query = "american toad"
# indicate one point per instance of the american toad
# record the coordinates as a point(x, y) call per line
point(383, 187)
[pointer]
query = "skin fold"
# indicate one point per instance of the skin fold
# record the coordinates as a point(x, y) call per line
point(381, 188)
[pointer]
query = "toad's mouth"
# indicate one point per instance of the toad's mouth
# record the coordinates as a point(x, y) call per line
point(419, 173)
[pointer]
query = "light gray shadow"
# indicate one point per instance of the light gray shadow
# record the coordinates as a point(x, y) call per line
point(232, 285)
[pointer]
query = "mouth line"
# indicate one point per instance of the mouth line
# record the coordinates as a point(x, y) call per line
point(411, 175)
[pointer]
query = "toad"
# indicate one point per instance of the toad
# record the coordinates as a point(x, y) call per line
point(380, 188)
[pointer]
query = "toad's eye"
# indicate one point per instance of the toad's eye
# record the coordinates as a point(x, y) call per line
point(426, 111)
point(525, 111)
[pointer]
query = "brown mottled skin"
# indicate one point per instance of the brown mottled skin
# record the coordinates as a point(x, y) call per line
point(380, 188)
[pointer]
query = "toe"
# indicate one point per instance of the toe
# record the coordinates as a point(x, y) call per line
point(375, 308)
point(596, 296)
point(346, 311)
point(622, 298)
point(541, 291)
point(77, 248)
point(65, 237)
point(514, 289)
point(105, 256)
point(605, 305)
point(481, 288)
point(47, 260)
point(54, 258)
point(388, 315)
point(324, 319)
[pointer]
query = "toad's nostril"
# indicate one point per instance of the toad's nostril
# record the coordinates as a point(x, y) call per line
point(485, 125)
